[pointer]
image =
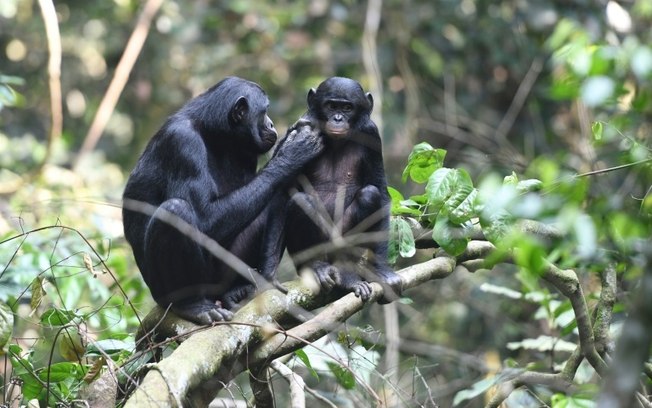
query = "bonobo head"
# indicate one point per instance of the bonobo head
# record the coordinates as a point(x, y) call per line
point(237, 107)
point(338, 104)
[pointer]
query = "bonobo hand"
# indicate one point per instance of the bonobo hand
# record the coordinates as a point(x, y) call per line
point(301, 145)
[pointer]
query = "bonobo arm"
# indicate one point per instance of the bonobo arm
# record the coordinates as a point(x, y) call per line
point(298, 148)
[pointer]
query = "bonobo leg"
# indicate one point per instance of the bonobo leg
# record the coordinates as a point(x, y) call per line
point(237, 294)
point(178, 268)
point(308, 225)
point(367, 214)
point(273, 243)
point(351, 281)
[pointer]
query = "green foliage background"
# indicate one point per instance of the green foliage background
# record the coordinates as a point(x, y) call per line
point(557, 91)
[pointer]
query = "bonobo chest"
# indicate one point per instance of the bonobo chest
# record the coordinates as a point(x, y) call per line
point(338, 165)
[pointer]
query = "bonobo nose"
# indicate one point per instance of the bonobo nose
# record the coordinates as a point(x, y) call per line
point(338, 118)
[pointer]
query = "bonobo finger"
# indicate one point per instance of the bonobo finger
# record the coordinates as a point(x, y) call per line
point(219, 315)
point(203, 318)
point(363, 291)
point(302, 121)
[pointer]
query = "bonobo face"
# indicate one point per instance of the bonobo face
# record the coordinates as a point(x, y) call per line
point(338, 103)
point(267, 134)
point(250, 114)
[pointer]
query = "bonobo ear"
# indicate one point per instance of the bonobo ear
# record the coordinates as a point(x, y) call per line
point(311, 98)
point(371, 100)
point(239, 110)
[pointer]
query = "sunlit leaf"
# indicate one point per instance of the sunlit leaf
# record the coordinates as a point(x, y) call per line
point(343, 375)
point(301, 355)
point(596, 90)
point(496, 225)
point(596, 130)
point(59, 372)
point(38, 292)
point(451, 191)
point(586, 235)
point(450, 237)
point(422, 162)
point(6, 325)
point(57, 317)
point(543, 343)
point(71, 346)
point(406, 247)
point(500, 290)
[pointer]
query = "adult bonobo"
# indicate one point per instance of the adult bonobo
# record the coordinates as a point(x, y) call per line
point(200, 167)
point(338, 216)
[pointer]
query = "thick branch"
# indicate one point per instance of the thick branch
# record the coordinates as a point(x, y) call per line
point(568, 284)
point(185, 369)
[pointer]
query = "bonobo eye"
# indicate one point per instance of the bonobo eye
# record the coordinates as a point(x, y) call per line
point(347, 107)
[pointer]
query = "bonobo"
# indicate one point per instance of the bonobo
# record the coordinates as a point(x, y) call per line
point(200, 168)
point(340, 209)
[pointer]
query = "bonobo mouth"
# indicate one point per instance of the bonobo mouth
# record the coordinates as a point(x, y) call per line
point(268, 140)
point(337, 132)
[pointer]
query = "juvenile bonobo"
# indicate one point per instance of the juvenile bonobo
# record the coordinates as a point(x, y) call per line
point(341, 197)
point(200, 167)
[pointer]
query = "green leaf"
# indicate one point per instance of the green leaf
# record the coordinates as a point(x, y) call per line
point(301, 355)
point(394, 195)
point(476, 389)
point(496, 225)
point(19, 364)
point(400, 206)
point(38, 292)
point(512, 179)
point(596, 129)
point(529, 185)
point(452, 238)
point(110, 346)
point(31, 386)
point(543, 343)
point(568, 329)
point(60, 372)
point(7, 96)
point(422, 162)
point(12, 80)
point(441, 184)
point(461, 206)
point(58, 317)
point(394, 241)
point(343, 375)
point(6, 325)
point(530, 256)
point(406, 246)
point(451, 191)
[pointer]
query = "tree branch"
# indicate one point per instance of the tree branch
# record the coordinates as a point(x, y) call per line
point(54, 72)
point(185, 369)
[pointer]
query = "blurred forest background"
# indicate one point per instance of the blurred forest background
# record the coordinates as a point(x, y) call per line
point(547, 89)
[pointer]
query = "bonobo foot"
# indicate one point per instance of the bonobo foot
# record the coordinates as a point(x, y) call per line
point(331, 277)
point(327, 275)
point(360, 288)
point(391, 283)
point(201, 311)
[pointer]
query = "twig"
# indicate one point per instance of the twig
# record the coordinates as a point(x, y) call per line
point(120, 77)
point(54, 72)
point(370, 59)
point(297, 386)
point(519, 100)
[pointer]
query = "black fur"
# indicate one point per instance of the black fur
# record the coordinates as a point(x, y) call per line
point(342, 193)
point(200, 167)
